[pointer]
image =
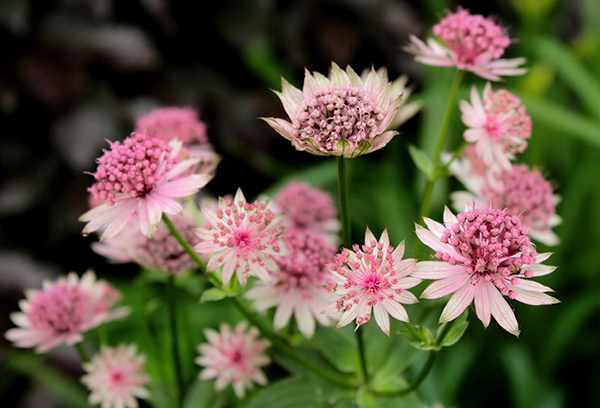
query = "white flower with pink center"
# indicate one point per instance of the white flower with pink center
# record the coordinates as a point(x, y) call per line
point(343, 115)
point(485, 255)
point(241, 237)
point(298, 287)
point(498, 125)
point(62, 311)
point(372, 278)
point(307, 207)
point(116, 377)
point(233, 356)
point(469, 42)
point(181, 123)
point(140, 178)
point(520, 190)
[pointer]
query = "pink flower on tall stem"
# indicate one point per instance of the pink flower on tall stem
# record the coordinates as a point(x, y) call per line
point(469, 42)
point(115, 377)
point(343, 115)
point(298, 287)
point(62, 311)
point(233, 356)
point(242, 237)
point(140, 178)
point(498, 125)
point(521, 191)
point(485, 254)
point(372, 278)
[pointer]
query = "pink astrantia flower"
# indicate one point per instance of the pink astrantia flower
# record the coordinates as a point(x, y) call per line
point(343, 115)
point(498, 124)
point(242, 237)
point(63, 310)
point(298, 287)
point(162, 251)
point(521, 191)
point(485, 255)
point(170, 123)
point(233, 356)
point(307, 207)
point(115, 377)
point(469, 42)
point(140, 179)
point(373, 277)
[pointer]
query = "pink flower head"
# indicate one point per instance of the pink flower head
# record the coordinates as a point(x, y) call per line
point(469, 42)
point(233, 356)
point(181, 123)
point(242, 237)
point(115, 377)
point(498, 124)
point(139, 179)
point(343, 115)
point(298, 287)
point(521, 191)
point(372, 277)
point(485, 255)
point(62, 311)
point(307, 207)
point(162, 251)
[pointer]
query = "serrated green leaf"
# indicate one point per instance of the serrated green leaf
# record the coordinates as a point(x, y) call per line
point(212, 295)
point(419, 337)
point(422, 161)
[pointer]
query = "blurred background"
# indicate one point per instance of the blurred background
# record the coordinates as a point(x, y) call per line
point(76, 73)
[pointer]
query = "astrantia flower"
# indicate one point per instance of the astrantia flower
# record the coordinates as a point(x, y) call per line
point(485, 255)
point(115, 377)
point(298, 287)
point(373, 277)
point(498, 124)
point(343, 115)
point(521, 191)
point(469, 42)
point(407, 109)
point(162, 251)
point(233, 356)
point(139, 179)
point(242, 237)
point(307, 207)
point(182, 124)
point(63, 310)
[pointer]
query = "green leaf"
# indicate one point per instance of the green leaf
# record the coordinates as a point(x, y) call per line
point(202, 394)
point(212, 295)
point(419, 337)
point(457, 329)
point(422, 161)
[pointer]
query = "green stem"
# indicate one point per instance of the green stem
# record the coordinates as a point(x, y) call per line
point(277, 342)
point(171, 304)
point(439, 145)
point(83, 355)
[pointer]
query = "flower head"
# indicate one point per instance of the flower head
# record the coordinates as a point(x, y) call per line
point(485, 255)
point(298, 287)
point(162, 251)
point(242, 237)
point(115, 377)
point(373, 277)
point(233, 356)
point(310, 208)
point(343, 115)
point(498, 124)
point(170, 123)
point(63, 310)
point(139, 179)
point(520, 190)
point(469, 42)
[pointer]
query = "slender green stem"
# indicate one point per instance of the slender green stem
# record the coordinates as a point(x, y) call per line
point(278, 343)
point(171, 304)
point(441, 139)
point(83, 355)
